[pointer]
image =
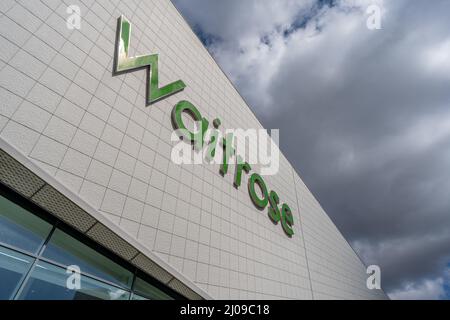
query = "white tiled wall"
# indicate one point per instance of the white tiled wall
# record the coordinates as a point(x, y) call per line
point(61, 106)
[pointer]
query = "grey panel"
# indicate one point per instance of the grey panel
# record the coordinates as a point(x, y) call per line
point(54, 202)
point(180, 287)
point(147, 265)
point(16, 176)
point(112, 241)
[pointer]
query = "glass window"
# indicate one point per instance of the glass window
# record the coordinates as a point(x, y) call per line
point(13, 268)
point(20, 228)
point(67, 251)
point(137, 297)
point(149, 291)
point(49, 282)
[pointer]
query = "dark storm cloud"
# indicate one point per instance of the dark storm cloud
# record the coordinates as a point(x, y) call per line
point(365, 117)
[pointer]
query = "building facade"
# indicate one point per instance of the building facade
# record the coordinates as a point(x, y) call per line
point(88, 180)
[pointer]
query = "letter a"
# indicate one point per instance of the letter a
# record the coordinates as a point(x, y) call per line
point(73, 282)
point(374, 280)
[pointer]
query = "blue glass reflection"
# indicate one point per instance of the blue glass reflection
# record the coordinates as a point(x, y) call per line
point(13, 268)
point(21, 229)
point(49, 282)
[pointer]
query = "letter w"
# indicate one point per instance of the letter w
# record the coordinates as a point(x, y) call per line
point(125, 63)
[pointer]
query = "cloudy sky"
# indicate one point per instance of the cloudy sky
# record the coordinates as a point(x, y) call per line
point(365, 117)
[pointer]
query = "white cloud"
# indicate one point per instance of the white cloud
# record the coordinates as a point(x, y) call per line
point(436, 58)
point(426, 290)
point(363, 116)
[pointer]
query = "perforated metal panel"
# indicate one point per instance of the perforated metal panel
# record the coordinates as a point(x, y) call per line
point(180, 287)
point(147, 265)
point(110, 240)
point(54, 202)
point(17, 177)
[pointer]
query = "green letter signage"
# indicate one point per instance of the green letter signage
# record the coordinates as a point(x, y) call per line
point(274, 212)
point(177, 120)
point(257, 179)
point(287, 220)
point(125, 63)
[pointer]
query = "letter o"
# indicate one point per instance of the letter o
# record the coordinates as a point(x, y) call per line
point(257, 179)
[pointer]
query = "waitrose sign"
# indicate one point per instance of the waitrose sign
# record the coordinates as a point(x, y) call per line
point(266, 198)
